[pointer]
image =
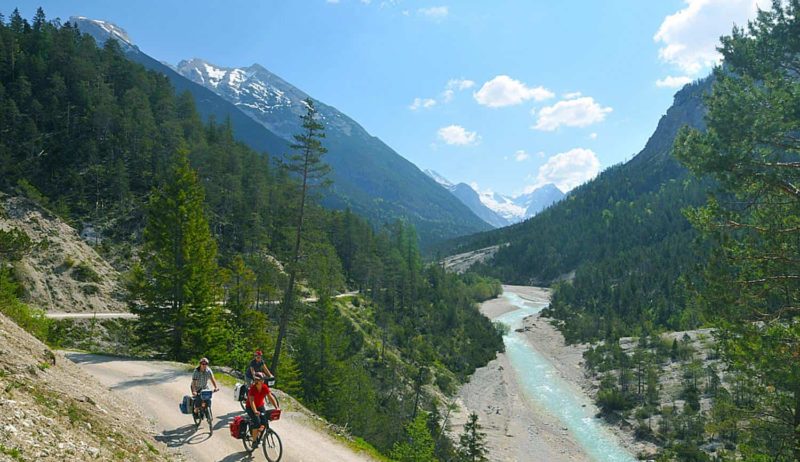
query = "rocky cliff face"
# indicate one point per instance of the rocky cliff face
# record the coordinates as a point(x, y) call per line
point(62, 272)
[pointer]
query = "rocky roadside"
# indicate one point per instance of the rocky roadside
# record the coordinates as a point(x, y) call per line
point(51, 410)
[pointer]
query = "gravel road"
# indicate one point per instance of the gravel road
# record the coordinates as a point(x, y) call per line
point(157, 387)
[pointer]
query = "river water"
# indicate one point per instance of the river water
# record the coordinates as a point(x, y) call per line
point(547, 390)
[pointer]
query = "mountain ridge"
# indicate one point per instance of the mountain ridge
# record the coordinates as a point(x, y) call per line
point(369, 177)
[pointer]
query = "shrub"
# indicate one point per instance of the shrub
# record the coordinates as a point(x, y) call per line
point(85, 273)
point(31, 319)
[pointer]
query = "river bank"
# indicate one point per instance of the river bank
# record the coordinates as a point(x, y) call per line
point(516, 427)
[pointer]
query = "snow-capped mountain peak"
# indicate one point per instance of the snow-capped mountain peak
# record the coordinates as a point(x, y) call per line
point(511, 209)
point(502, 205)
point(439, 179)
point(102, 30)
point(264, 96)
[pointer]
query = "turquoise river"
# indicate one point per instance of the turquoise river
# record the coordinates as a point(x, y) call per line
point(546, 389)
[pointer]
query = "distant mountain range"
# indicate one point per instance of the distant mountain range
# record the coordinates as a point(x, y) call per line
point(368, 176)
point(497, 209)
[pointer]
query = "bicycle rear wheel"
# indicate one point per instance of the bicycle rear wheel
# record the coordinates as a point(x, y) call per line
point(271, 445)
point(247, 441)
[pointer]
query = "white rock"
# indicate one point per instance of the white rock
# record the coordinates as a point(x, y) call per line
point(10, 429)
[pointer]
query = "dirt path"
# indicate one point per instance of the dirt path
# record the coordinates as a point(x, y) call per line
point(103, 315)
point(158, 387)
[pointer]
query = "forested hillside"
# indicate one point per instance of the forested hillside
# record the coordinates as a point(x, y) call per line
point(100, 140)
point(623, 235)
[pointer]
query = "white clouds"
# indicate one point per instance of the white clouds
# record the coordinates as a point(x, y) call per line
point(460, 84)
point(457, 135)
point(504, 91)
point(454, 85)
point(673, 82)
point(578, 112)
point(572, 95)
point(451, 87)
point(422, 103)
point(593, 136)
point(521, 155)
point(567, 170)
point(689, 37)
point(437, 13)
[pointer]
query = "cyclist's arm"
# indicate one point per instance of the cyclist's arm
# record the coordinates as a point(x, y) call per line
point(195, 378)
point(214, 381)
point(273, 400)
point(266, 369)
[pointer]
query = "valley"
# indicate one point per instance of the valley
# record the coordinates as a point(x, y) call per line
point(577, 294)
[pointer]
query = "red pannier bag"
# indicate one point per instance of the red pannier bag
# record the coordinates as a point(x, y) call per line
point(234, 426)
point(275, 414)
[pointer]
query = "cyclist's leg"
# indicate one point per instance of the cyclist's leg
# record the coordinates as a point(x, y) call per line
point(255, 423)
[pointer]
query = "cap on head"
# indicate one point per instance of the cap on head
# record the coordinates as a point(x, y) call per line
point(204, 361)
point(258, 353)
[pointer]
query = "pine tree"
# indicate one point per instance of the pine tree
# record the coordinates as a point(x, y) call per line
point(472, 443)
point(174, 285)
point(419, 444)
point(751, 286)
point(307, 163)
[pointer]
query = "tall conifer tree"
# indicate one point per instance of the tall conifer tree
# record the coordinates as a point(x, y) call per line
point(176, 279)
point(472, 443)
point(307, 164)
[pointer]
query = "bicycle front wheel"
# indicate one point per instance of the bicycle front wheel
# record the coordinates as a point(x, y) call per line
point(210, 418)
point(197, 417)
point(271, 444)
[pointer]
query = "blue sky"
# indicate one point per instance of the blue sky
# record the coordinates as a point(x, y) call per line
point(505, 95)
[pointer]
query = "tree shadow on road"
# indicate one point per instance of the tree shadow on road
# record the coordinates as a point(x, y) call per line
point(181, 436)
point(89, 358)
point(150, 379)
point(239, 456)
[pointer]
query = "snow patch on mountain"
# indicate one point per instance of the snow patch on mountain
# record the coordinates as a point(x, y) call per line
point(262, 95)
point(504, 206)
point(512, 209)
point(439, 179)
point(102, 30)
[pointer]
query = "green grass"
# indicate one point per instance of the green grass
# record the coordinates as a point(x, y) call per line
point(151, 448)
point(227, 380)
point(14, 453)
point(359, 445)
point(76, 415)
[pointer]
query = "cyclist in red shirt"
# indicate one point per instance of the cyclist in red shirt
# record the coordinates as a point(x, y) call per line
point(256, 403)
